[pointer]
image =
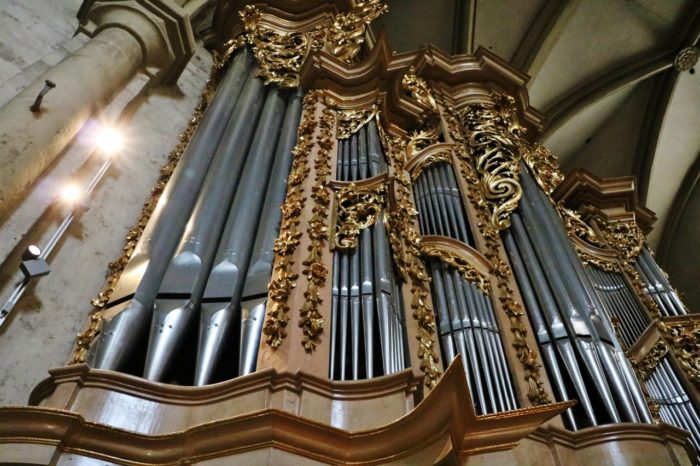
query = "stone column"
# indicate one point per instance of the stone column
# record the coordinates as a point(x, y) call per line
point(153, 35)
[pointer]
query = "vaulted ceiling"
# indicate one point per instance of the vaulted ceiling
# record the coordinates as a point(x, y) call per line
point(603, 73)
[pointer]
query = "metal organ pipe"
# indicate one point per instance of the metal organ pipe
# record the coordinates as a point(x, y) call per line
point(120, 336)
point(189, 268)
point(367, 333)
point(465, 316)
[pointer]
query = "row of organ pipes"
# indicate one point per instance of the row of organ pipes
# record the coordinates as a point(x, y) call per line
point(190, 304)
point(465, 316)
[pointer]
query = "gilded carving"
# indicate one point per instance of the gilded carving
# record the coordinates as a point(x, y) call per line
point(685, 343)
point(493, 141)
point(350, 121)
point(418, 89)
point(464, 267)
point(440, 157)
point(354, 211)
point(421, 139)
point(544, 167)
point(347, 33)
point(311, 320)
point(281, 53)
point(489, 231)
point(624, 236)
point(115, 268)
point(406, 247)
point(284, 278)
point(647, 365)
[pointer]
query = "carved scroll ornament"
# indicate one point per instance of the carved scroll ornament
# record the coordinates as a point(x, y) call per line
point(493, 140)
point(355, 209)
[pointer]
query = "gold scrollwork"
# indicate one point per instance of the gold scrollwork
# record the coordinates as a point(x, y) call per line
point(652, 359)
point(347, 33)
point(494, 144)
point(419, 140)
point(624, 236)
point(354, 210)
point(284, 278)
point(440, 157)
point(316, 271)
point(544, 167)
point(281, 54)
point(685, 344)
point(501, 270)
point(418, 89)
point(350, 121)
point(465, 269)
point(115, 268)
point(405, 243)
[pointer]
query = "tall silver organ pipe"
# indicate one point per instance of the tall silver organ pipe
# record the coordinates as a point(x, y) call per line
point(226, 246)
point(575, 336)
point(675, 407)
point(465, 316)
point(368, 330)
point(120, 337)
point(619, 304)
point(657, 285)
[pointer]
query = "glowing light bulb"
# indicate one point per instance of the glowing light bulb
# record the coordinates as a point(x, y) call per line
point(109, 140)
point(71, 193)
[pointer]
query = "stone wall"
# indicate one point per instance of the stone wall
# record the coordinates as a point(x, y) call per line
point(40, 332)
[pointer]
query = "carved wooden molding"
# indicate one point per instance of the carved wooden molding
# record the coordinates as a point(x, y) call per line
point(447, 408)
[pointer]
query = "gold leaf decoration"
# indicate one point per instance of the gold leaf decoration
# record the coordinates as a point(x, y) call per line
point(354, 211)
point(493, 141)
point(544, 167)
point(685, 342)
point(406, 248)
point(350, 121)
point(465, 269)
point(418, 89)
point(281, 53)
point(316, 272)
point(494, 252)
point(284, 278)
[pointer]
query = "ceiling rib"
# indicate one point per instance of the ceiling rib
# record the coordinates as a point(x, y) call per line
point(680, 202)
point(604, 85)
point(542, 35)
point(657, 108)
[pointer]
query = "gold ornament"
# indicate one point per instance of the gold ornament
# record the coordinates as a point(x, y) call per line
point(354, 210)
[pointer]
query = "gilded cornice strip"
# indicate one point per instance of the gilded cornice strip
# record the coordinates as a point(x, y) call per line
point(493, 140)
point(284, 278)
point(116, 267)
point(448, 408)
point(500, 269)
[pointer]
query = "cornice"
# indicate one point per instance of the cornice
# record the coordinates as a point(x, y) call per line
point(446, 410)
point(616, 197)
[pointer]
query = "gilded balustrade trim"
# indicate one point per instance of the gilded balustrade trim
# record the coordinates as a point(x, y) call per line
point(493, 136)
point(500, 268)
point(284, 278)
point(281, 53)
point(316, 270)
point(116, 267)
point(405, 243)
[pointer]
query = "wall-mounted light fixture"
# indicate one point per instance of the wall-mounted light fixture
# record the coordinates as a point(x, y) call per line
point(36, 106)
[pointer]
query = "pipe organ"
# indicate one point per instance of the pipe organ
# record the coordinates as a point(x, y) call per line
point(361, 257)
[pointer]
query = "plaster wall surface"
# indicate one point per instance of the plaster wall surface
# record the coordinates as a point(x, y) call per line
point(41, 330)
